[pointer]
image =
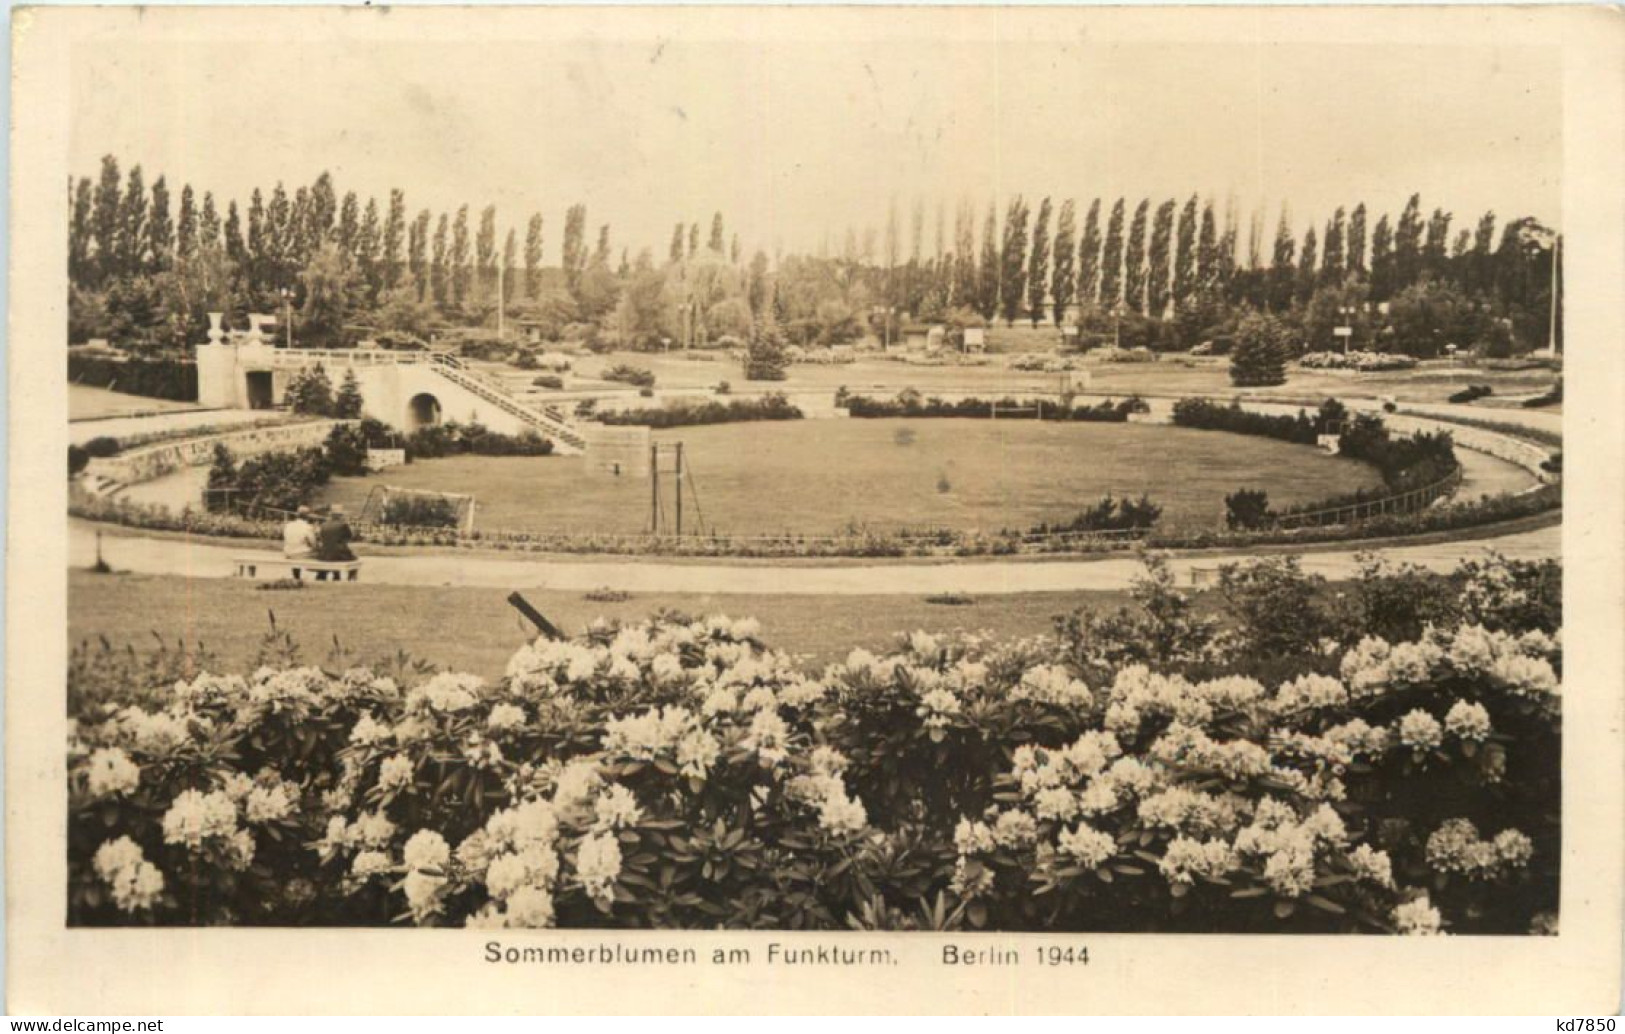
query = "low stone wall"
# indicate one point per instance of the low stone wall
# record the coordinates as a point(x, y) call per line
point(1525, 454)
point(154, 461)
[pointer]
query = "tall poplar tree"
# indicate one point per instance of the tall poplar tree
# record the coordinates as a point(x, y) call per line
point(394, 236)
point(1185, 254)
point(987, 287)
point(1157, 277)
point(160, 247)
point(1089, 257)
point(575, 247)
point(81, 235)
point(104, 220)
point(1013, 260)
point(1383, 274)
point(533, 256)
point(1207, 248)
point(186, 225)
point(1308, 266)
point(1134, 260)
point(1038, 264)
point(440, 263)
point(1283, 265)
point(1355, 259)
point(1063, 281)
point(1111, 259)
point(1332, 263)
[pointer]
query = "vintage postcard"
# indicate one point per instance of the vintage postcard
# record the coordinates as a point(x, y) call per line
point(797, 509)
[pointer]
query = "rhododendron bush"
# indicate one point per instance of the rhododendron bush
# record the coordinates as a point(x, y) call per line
point(1150, 770)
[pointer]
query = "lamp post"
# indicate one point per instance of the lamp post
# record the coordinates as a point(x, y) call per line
point(287, 316)
point(1117, 326)
point(1346, 331)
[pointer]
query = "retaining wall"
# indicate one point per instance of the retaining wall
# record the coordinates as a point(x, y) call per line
point(152, 461)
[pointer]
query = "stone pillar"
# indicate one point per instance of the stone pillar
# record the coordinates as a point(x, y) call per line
point(217, 372)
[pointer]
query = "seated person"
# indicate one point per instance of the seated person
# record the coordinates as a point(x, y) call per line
point(299, 540)
point(335, 536)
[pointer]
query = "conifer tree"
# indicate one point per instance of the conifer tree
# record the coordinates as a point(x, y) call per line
point(1063, 281)
point(1134, 260)
point(1157, 277)
point(1038, 264)
point(1111, 259)
point(1089, 257)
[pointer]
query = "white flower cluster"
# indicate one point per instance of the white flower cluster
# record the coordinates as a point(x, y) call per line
point(209, 690)
point(446, 693)
point(1054, 685)
point(111, 773)
point(1138, 692)
point(195, 820)
point(395, 773)
point(1456, 847)
point(153, 733)
point(427, 857)
point(1375, 666)
point(598, 866)
point(287, 689)
point(938, 707)
point(675, 733)
point(135, 883)
point(1192, 812)
point(1089, 847)
point(370, 732)
point(516, 856)
point(1309, 693)
point(1288, 845)
point(545, 666)
point(1418, 918)
point(824, 789)
point(1187, 858)
point(270, 800)
point(1186, 747)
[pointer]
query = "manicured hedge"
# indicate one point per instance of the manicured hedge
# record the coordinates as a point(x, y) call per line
point(687, 414)
point(913, 404)
point(173, 379)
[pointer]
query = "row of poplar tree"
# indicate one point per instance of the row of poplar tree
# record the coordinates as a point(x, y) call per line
point(142, 265)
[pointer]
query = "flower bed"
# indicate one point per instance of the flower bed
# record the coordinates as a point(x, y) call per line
point(1143, 772)
point(1360, 362)
point(910, 403)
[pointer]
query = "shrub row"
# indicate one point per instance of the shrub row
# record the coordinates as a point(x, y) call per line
point(475, 439)
point(172, 379)
point(1472, 393)
point(774, 406)
point(911, 403)
point(623, 373)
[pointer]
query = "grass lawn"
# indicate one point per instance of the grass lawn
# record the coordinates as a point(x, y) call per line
point(816, 477)
point(87, 403)
point(475, 629)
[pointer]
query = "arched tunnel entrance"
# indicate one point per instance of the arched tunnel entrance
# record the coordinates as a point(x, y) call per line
point(422, 411)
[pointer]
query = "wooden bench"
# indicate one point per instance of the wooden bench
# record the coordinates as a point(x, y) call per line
point(269, 565)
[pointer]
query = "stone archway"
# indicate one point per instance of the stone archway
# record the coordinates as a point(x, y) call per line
point(422, 411)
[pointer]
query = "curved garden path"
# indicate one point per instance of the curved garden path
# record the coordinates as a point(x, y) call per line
point(211, 559)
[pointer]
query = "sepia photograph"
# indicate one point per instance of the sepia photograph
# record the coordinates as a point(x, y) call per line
point(932, 472)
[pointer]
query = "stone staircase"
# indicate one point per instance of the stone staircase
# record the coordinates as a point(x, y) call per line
point(548, 420)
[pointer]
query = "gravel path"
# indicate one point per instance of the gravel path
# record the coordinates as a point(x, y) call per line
point(198, 560)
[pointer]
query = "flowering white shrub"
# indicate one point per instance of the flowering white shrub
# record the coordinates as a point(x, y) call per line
point(679, 773)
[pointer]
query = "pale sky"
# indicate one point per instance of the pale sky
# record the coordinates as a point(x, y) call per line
point(795, 139)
